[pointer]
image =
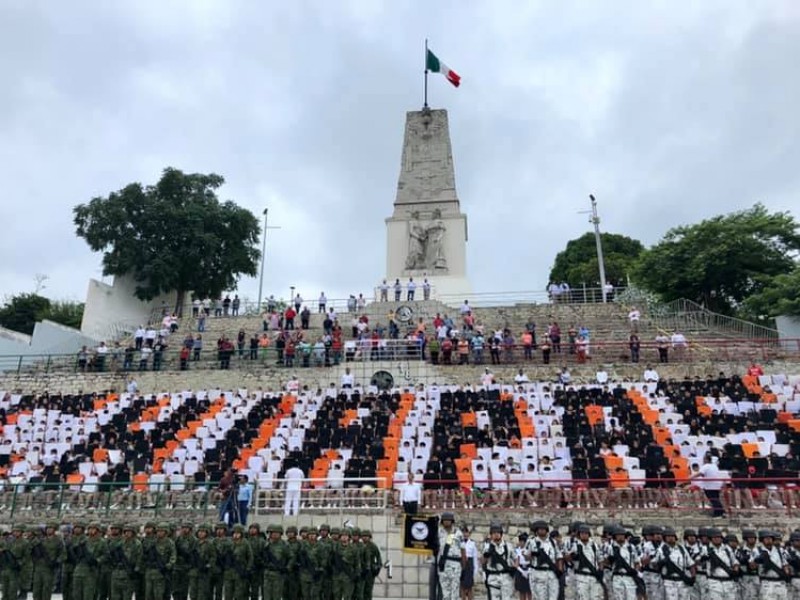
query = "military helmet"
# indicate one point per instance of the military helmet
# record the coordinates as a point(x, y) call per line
point(203, 527)
point(355, 531)
point(689, 533)
point(669, 531)
point(618, 530)
point(647, 530)
point(291, 529)
point(749, 533)
point(119, 526)
point(256, 526)
point(366, 533)
point(448, 516)
point(187, 525)
point(657, 530)
point(238, 528)
point(163, 525)
point(713, 532)
point(129, 527)
point(795, 536)
point(704, 531)
point(78, 525)
point(303, 530)
point(765, 533)
point(221, 525)
point(583, 528)
point(731, 538)
point(152, 525)
point(335, 531)
point(274, 528)
point(495, 527)
point(53, 525)
point(96, 525)
point(325, 527)
point(537, 525)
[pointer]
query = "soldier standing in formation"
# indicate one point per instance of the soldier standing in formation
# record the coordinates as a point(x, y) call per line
point(586, 558)
point(499, 564)
point(450, 558)
point(546, 560)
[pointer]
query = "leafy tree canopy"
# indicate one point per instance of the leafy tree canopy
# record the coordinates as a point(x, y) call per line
point(22, 312)
point(174, 236)
point(577, 263)
point(780, 297)
point(721, 261)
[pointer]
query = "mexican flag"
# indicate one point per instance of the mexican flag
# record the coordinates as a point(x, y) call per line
point(434, 65)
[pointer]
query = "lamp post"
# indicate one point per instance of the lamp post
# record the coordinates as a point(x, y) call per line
point(291, 294)
point(595, 220)
point(263, 258)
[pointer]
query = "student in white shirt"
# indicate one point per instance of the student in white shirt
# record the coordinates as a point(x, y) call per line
point(410, 495)
point(347, 379)
point(293, 488)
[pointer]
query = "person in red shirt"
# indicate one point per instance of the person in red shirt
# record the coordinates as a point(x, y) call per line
point(438, 321)
point(289, 316)
point(755, 370)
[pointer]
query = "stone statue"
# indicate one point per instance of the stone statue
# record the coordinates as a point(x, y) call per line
point(426, 247)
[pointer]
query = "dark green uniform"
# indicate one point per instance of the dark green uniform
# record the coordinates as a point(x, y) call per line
point(48, 554)
point(346, 568)
point(313, 560)
point(125, 556)
point(275, 558)
point(238, 562)
point(104, 578)
point(69, 564)
point(91, 552)
point(16, 551)
point(373, 564)
point(221, 544)
point(291, 586)
point(158, 560)
point(206, 566)
point(256, 541)
point(326, 541)
point(185, 557)
point(147, 541)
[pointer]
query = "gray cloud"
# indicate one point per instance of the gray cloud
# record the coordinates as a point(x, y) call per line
point(668, 114)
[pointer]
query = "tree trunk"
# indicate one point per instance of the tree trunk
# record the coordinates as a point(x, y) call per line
point(181, 295)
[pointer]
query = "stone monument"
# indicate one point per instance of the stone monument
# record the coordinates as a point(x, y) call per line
point(427, 233)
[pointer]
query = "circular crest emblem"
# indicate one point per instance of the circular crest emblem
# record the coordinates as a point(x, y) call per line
point(404, 313)
point(383, 380)
point(419, 531)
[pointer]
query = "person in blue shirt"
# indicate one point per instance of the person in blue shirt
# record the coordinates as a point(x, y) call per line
point(244, 498)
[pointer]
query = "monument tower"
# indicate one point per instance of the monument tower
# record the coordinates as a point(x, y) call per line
point(427, 232)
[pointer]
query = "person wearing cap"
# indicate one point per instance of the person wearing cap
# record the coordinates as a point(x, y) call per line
point(158, 560)
point(792, 552)
point(547, 562)
point(676, 567)
point(275, 563)
point(91, 553)
point(124, 556)
point(723, 568)
point(185, 549)
point(238, 563)
point(499, 563)
point(773, 568)
point(222, 545)
point(68, 567)
point(649, 548)
point(374, 563)
point(291, 588)
point(586, 558)
point(450, 558)
point(206, 565)
point(748, 583)
point(48, 553)
point(623, 560)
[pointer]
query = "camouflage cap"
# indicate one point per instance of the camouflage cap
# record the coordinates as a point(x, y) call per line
point(256, 526)
point(275, 528)
point(163, 525)
point(303, 530)
point(221, 525)
point(335, 531)
point(204, 527)
point(325, 527)
point(78, 525)
point(129, 527)
point(150, 525)
point(238, 528)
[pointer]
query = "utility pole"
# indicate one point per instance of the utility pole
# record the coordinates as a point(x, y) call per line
point(595, 220)
point(263, 259)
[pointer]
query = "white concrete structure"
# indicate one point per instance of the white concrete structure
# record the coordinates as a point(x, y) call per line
point(112, 310)
point(18, 349)
point(427, 233)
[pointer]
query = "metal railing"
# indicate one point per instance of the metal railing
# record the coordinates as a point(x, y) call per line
point(566, 353)
point(687, 315)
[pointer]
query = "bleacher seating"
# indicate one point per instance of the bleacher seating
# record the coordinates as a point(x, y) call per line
point(536, 444)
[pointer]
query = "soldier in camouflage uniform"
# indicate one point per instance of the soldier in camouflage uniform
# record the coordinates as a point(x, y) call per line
point(48, 553)
point(185, 552)
point(206, 565)
point(291, 587)
point(16, 551)
point(69, 564)
point(158, 560)
point(326, 583)
point(238, 562)
point(748, 582)
point(346, 567)
point(256, 541)
point(313, 563)
point(221, 545)
point(275, 559)
point(373, 562)
point(125, 555)
point(91, 552)
point(358, 581)
point(113, 538)
point(147, 541)
point(450, 556)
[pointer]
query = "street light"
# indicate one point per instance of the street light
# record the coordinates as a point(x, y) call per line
point(263, 258)
point(595, 220)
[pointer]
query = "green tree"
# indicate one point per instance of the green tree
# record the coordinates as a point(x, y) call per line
point(66, 312)
point(174, 236)
point(781, 296)
point(22, 312)
point(721, 261)
point(577, 263)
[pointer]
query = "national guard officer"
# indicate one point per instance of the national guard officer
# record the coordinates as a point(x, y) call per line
point(586, 558)
point(275, 557)
point(91, 552)
point(256, 541)
point(676, 567)
point(722, 568)
point(374, 562)
point(185, 557)
point(291, 586)
point(69, 564)
point(450, 558)
point(793, 558)
point(499, 563)
point(158, 560)
point(238, 562)
point(547, 562)
point(773, 569)
point(124, 557)
point(748, 583)
point(650, 574)
point(221, 546)
point(626, 582)
point(312, 561)
point(206, 564)
point(48, 554)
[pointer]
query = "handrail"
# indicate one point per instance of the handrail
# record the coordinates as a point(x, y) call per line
point(693, 313)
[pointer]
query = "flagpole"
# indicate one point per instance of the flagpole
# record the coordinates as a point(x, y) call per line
point(425, 104)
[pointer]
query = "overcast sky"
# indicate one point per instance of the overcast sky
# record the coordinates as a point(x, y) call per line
point(669, 112)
